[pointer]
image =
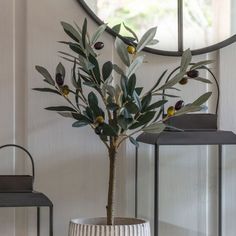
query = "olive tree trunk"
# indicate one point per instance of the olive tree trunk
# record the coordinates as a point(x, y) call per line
point(111, 186)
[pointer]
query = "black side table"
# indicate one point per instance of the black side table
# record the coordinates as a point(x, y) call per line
point(17, 191)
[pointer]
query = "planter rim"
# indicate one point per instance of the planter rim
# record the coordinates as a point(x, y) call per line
point(101, 221)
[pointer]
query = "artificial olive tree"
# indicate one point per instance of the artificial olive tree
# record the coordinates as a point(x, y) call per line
point(115, 107)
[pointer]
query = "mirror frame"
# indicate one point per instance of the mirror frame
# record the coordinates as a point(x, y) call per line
point(207, 49)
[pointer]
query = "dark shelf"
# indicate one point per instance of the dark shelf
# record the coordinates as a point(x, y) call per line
point(24, 200)
point(210, 137)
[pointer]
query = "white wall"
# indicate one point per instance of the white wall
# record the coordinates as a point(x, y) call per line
point(7, 102)
point(227, 121)
point(71, 164)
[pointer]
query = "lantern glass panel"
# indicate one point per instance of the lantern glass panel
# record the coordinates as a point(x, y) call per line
point(188, 188)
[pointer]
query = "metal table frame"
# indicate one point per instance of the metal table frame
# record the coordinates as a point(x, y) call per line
point(34, 199)
point(218, 138)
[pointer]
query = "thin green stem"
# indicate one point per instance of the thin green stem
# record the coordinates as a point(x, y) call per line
point(68, 100)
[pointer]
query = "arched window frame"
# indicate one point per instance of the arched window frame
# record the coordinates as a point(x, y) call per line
point(207, 49)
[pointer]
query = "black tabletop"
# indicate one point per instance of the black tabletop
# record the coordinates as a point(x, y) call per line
point(24, 200)
point(211, 137)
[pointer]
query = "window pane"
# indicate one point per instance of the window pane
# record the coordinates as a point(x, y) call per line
point(140, 17)
point(207, 22)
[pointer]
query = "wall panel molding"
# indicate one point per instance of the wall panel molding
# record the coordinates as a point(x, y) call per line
point(7, 221)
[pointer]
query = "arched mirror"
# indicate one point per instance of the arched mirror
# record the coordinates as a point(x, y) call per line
point(201, 25)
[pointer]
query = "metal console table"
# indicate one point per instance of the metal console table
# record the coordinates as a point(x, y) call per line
point(215, 137)
point(17, 191)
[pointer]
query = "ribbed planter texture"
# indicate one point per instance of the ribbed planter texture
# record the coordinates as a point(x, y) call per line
point(98, 227)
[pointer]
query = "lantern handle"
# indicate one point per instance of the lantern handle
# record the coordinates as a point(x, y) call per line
point(22, 148)
point(214, 79)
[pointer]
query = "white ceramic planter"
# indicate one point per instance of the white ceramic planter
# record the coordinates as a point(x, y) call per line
point(98, 227)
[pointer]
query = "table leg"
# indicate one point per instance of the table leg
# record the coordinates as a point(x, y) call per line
point(220, 191)
point(156, 191)
point(38, 221)
point(136, 182)
point(51, 221)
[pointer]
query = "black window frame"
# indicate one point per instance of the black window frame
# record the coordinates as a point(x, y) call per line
point(207, 49)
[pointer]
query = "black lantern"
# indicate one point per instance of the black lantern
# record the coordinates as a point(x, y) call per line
point(197, 129)
point(17, 191)
point(201, 137)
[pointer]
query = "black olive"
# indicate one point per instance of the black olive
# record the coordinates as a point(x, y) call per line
point(183, 81)
point(179, 105)
point(59, 79)
point(98, 130)
point(98, 45)
point(193, 73)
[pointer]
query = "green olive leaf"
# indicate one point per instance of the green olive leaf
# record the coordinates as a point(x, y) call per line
point(96, 68)
point(131, 31)
point(100, 30)
point(72, 32)
point(80, 123)
point(131, 107)
point(153, 42)
point(155, 128)
point(156, 105)
point(146, 117)
point(107, 70)
point(44, 72)
point(134, 66)
point(92, 99)
point(116, 28)
point(185, 60)
point(77, 49)
point(47, 90)
point(146, 101)
point(84, 33)
point(172, 81)
point(118, 70)
point(66, 114)
point(201, 63)
point(121, 49)
point(131, 84)
point(60, 108)
point(108, 130)
point(187, 109)
point(202, 99)
point(146, 38)
point(124, 85)
point(207, 81)
point(137, 100)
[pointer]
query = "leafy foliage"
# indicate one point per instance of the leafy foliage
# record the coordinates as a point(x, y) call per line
point(115, 110)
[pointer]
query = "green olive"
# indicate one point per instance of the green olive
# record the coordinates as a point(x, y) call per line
point(131, 49)
point(183, 81)
point(65, 90)
point(99, 120)
point(171, 111)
